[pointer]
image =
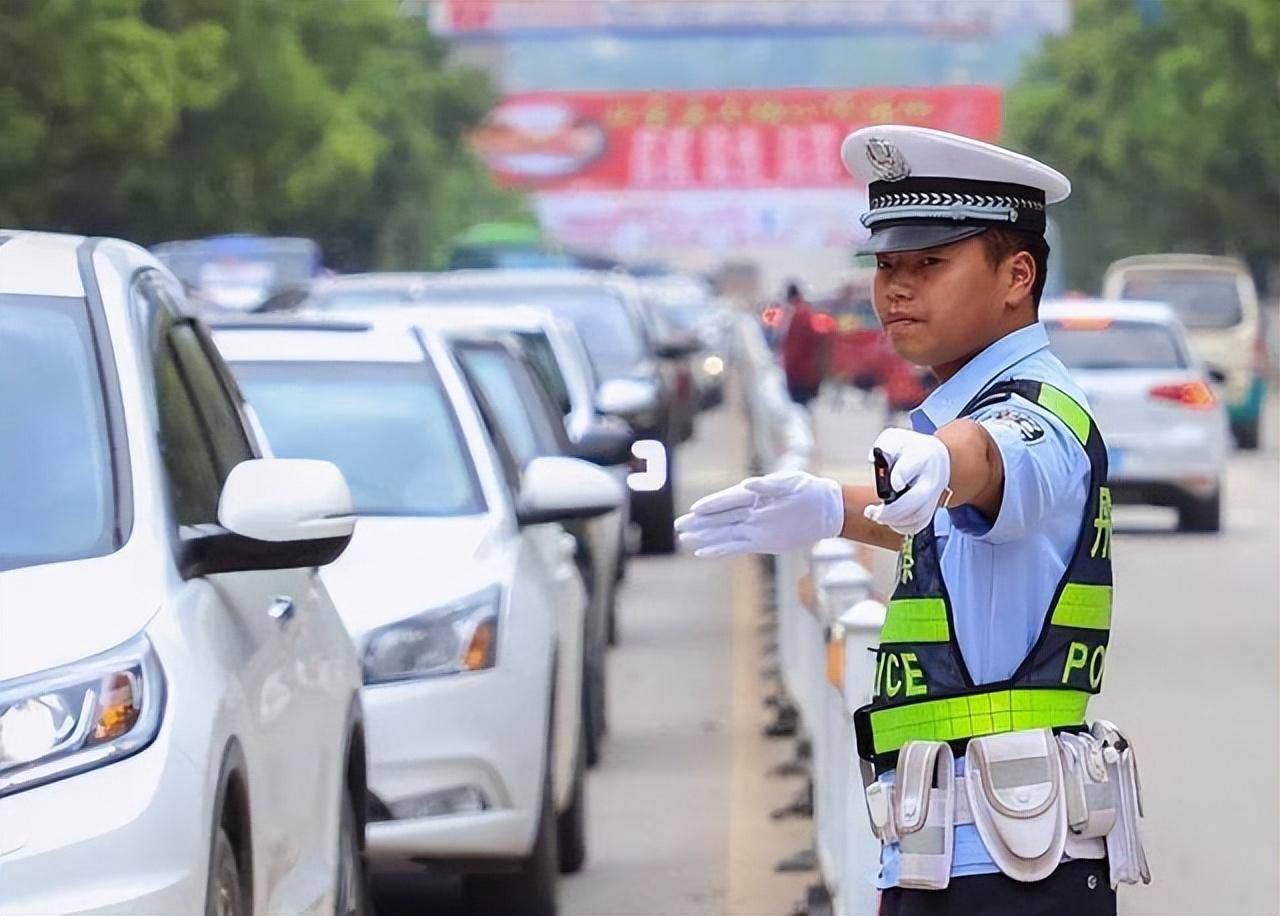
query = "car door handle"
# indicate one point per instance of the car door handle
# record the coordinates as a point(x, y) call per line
point(281, 608)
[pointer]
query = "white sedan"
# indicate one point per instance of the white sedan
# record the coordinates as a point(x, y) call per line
point(460, 590)
point(1166, 431)
point(180, 720)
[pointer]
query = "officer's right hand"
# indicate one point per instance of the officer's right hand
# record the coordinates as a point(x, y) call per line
point(783, 511)
point(921, 466)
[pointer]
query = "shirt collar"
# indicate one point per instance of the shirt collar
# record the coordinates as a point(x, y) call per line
point(947, 400)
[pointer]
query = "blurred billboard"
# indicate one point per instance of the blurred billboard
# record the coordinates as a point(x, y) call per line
point(593, 141)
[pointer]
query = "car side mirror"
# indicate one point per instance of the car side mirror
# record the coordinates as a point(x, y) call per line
point(560, 489)
point(607, 441)
point(274, 513)
point(625, 396)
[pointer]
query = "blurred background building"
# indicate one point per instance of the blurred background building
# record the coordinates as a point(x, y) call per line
point(697, 129)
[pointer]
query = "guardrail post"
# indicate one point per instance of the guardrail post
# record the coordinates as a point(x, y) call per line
point(845, 584)
point(861, 630)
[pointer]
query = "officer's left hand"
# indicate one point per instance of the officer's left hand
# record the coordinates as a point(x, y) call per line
point(920, 462)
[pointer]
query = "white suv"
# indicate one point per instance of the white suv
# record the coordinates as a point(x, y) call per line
point(459, 588)
point(180, 726)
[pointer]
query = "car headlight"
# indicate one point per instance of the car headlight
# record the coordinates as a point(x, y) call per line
point(67, 720)
point(462, 636)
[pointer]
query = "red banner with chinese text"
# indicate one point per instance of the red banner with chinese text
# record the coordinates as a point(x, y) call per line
point(708, 140)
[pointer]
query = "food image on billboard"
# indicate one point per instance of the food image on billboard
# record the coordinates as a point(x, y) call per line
point(531, 139)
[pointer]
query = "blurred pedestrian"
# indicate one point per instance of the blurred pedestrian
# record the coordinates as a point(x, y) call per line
point(990, 793)
point(801, 348)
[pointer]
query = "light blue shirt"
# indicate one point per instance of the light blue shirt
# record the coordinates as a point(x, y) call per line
point(1001, 575)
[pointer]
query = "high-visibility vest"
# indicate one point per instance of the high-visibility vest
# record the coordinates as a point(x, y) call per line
point(923, 688)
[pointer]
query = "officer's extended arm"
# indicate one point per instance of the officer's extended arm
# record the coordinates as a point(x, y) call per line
point(977, 470)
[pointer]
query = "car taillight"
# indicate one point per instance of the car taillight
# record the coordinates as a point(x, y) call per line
point(1195, 395)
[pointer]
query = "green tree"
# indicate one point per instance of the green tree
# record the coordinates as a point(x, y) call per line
point(156, 119)
point(1166, 117)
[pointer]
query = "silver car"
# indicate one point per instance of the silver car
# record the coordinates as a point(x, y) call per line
point(1166, 430)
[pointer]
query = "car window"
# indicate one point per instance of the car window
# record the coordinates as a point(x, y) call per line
point(57, 500)
point(218, 411)
point(509, 391)
point(390, 427)
point(1089, 344)
point(1202, 298)
point(190, 465)
point(542, 358)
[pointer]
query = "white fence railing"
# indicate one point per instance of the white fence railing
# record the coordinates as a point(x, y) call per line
point(826, 641)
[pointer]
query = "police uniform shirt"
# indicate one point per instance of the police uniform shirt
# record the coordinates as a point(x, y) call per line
point(1001, 574)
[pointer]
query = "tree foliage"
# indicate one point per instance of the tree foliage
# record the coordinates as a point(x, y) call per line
point(159, 119)
point(1166, 117)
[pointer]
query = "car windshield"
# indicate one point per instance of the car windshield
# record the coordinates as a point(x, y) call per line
point(1087, 344)
point(1202, 298)
point(57, 501)
point(606, 326)
point(388, 426)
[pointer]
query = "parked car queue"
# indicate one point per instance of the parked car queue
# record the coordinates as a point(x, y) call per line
point(295, 603)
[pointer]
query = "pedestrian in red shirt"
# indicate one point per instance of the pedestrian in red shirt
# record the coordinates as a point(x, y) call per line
point(800, 349)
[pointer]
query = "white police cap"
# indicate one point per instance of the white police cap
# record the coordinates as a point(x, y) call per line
point(928, 187)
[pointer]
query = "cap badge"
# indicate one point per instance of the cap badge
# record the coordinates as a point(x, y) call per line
point(886, 160)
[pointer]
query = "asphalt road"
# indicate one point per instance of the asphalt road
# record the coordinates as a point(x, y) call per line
point(679, 807)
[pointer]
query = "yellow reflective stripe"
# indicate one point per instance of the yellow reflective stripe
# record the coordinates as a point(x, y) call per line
point(1084, 606)
point(1066, 410)
point(956, 718)
point(915, 620)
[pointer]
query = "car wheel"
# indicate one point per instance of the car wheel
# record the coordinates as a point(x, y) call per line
point(1246, 433)
point(572, 826)
point(353, 894)
point(226, 895)
point(1201, 514)
point(531, 889)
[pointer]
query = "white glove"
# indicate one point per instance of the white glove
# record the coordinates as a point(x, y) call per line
point(920, 462)
point(774, 514)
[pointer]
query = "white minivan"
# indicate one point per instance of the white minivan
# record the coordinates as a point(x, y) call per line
point(459, 589)
point(1216, 300)
point(180, 718)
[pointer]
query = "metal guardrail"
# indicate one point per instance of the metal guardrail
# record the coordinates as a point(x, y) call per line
point(828, 628)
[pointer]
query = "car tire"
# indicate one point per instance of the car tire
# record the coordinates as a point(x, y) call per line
point(226, 895)
point(531, 889)
point(1246, 433)
point(1201, 514)
point(352, 898)
point(656, 515)
point(572, 822)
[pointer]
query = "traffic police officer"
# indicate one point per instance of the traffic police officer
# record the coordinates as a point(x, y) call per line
point(1000, 510)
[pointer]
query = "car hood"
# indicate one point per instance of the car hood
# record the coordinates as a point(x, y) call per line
point(398, 567)
point(60, 613)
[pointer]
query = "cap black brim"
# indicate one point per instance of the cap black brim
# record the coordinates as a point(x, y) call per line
point(915, 238)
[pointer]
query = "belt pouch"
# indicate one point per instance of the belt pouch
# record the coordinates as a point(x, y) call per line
point(924, 814)
point(1125, 853)
point(1091, 796)
point(1014, 783)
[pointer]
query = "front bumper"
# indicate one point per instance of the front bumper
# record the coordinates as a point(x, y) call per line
point(129, 837)
point(481, 733)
